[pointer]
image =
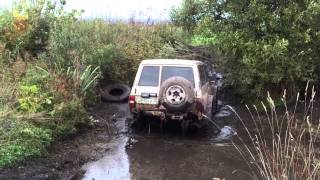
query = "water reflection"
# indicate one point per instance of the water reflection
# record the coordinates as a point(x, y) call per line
point(158, 156)
point(113, 166)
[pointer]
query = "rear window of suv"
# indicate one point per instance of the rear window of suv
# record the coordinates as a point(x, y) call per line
point(170, 71)
point(149, 76)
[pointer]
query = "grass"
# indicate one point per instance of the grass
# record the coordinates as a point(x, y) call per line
point(51, 64)
point(282, 145)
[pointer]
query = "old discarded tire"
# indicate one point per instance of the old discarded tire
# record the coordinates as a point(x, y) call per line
point(176, 94)
point(115, 93)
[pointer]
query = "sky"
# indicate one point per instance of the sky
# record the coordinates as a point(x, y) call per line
point(119, 9)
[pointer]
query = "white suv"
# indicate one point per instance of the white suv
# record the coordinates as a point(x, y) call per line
point(173, 89)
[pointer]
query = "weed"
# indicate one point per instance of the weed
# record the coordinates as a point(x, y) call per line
point(32, 101)
point(52, 64)
point(282, 147)
point(20, 140)
point(85, 79)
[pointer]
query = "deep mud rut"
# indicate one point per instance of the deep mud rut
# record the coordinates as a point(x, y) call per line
point(113, 150)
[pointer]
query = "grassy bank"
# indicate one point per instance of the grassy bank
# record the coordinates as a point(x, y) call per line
point(52, 64)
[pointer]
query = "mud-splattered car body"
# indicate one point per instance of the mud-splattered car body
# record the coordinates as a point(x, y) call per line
point(173, 90)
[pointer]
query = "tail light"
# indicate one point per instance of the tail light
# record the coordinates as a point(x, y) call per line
point(132, 102)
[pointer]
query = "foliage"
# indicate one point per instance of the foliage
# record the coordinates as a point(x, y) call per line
point(85, 80)
point(187, 15)
point(20, 140)
point(167, 51)
point(68, 115)
point(25, 29)
point(198, 40)
point(53, 62)
point(266, 44)
point(32, 101)
point(117, 48)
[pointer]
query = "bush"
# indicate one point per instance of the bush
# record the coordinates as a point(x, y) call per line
point(267, 45)
point(21, 140)
point(68, 115)
point(26, 29)
point(32, 101)
point(53, 63)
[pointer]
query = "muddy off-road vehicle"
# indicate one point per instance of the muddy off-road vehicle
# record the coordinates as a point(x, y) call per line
point(171, 89)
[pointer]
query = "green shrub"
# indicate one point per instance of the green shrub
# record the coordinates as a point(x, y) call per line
point(26, 29)
point(35, 74)
point(32, 101)
point(110, 60)
point(198, 40)
point(68, 115)
point(84, 80)
point(21, 140)
point(167, 51)
point(61, 60)
point(267, 45)
point(7, 92)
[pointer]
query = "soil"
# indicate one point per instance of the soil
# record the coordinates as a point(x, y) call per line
point(66, 157)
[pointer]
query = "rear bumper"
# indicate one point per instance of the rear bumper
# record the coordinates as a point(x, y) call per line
point(193, 112)
point(165, 116)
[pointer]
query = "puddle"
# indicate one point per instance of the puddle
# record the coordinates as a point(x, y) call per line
point(114, 165)
point(161, 156)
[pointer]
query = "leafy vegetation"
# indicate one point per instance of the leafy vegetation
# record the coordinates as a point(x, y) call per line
point(53, 62)
point(51, 65)
point(265, 45)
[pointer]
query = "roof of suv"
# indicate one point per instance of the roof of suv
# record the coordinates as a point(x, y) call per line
point(170, 62)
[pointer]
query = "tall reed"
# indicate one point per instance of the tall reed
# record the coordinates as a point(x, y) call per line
point(282, 145)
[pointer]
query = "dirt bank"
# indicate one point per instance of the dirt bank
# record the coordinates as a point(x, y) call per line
point(66, 157)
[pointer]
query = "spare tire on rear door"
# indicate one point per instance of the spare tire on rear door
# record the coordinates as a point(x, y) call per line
point(115, 93)
point(176, 94)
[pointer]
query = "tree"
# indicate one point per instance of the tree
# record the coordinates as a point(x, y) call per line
point(266, 44)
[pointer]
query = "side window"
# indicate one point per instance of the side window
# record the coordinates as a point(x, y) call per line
point(202, 73)
point(149, 76)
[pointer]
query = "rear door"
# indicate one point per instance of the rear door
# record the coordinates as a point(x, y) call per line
point(146, 87)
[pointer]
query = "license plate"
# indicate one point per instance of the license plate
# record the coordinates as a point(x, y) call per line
point(140, 100)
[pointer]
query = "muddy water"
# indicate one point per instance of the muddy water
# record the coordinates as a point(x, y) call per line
point(149, 154)
point(134, 153)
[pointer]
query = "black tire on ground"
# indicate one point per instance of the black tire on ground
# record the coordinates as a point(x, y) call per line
point(186, 88)
point(115, 93)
